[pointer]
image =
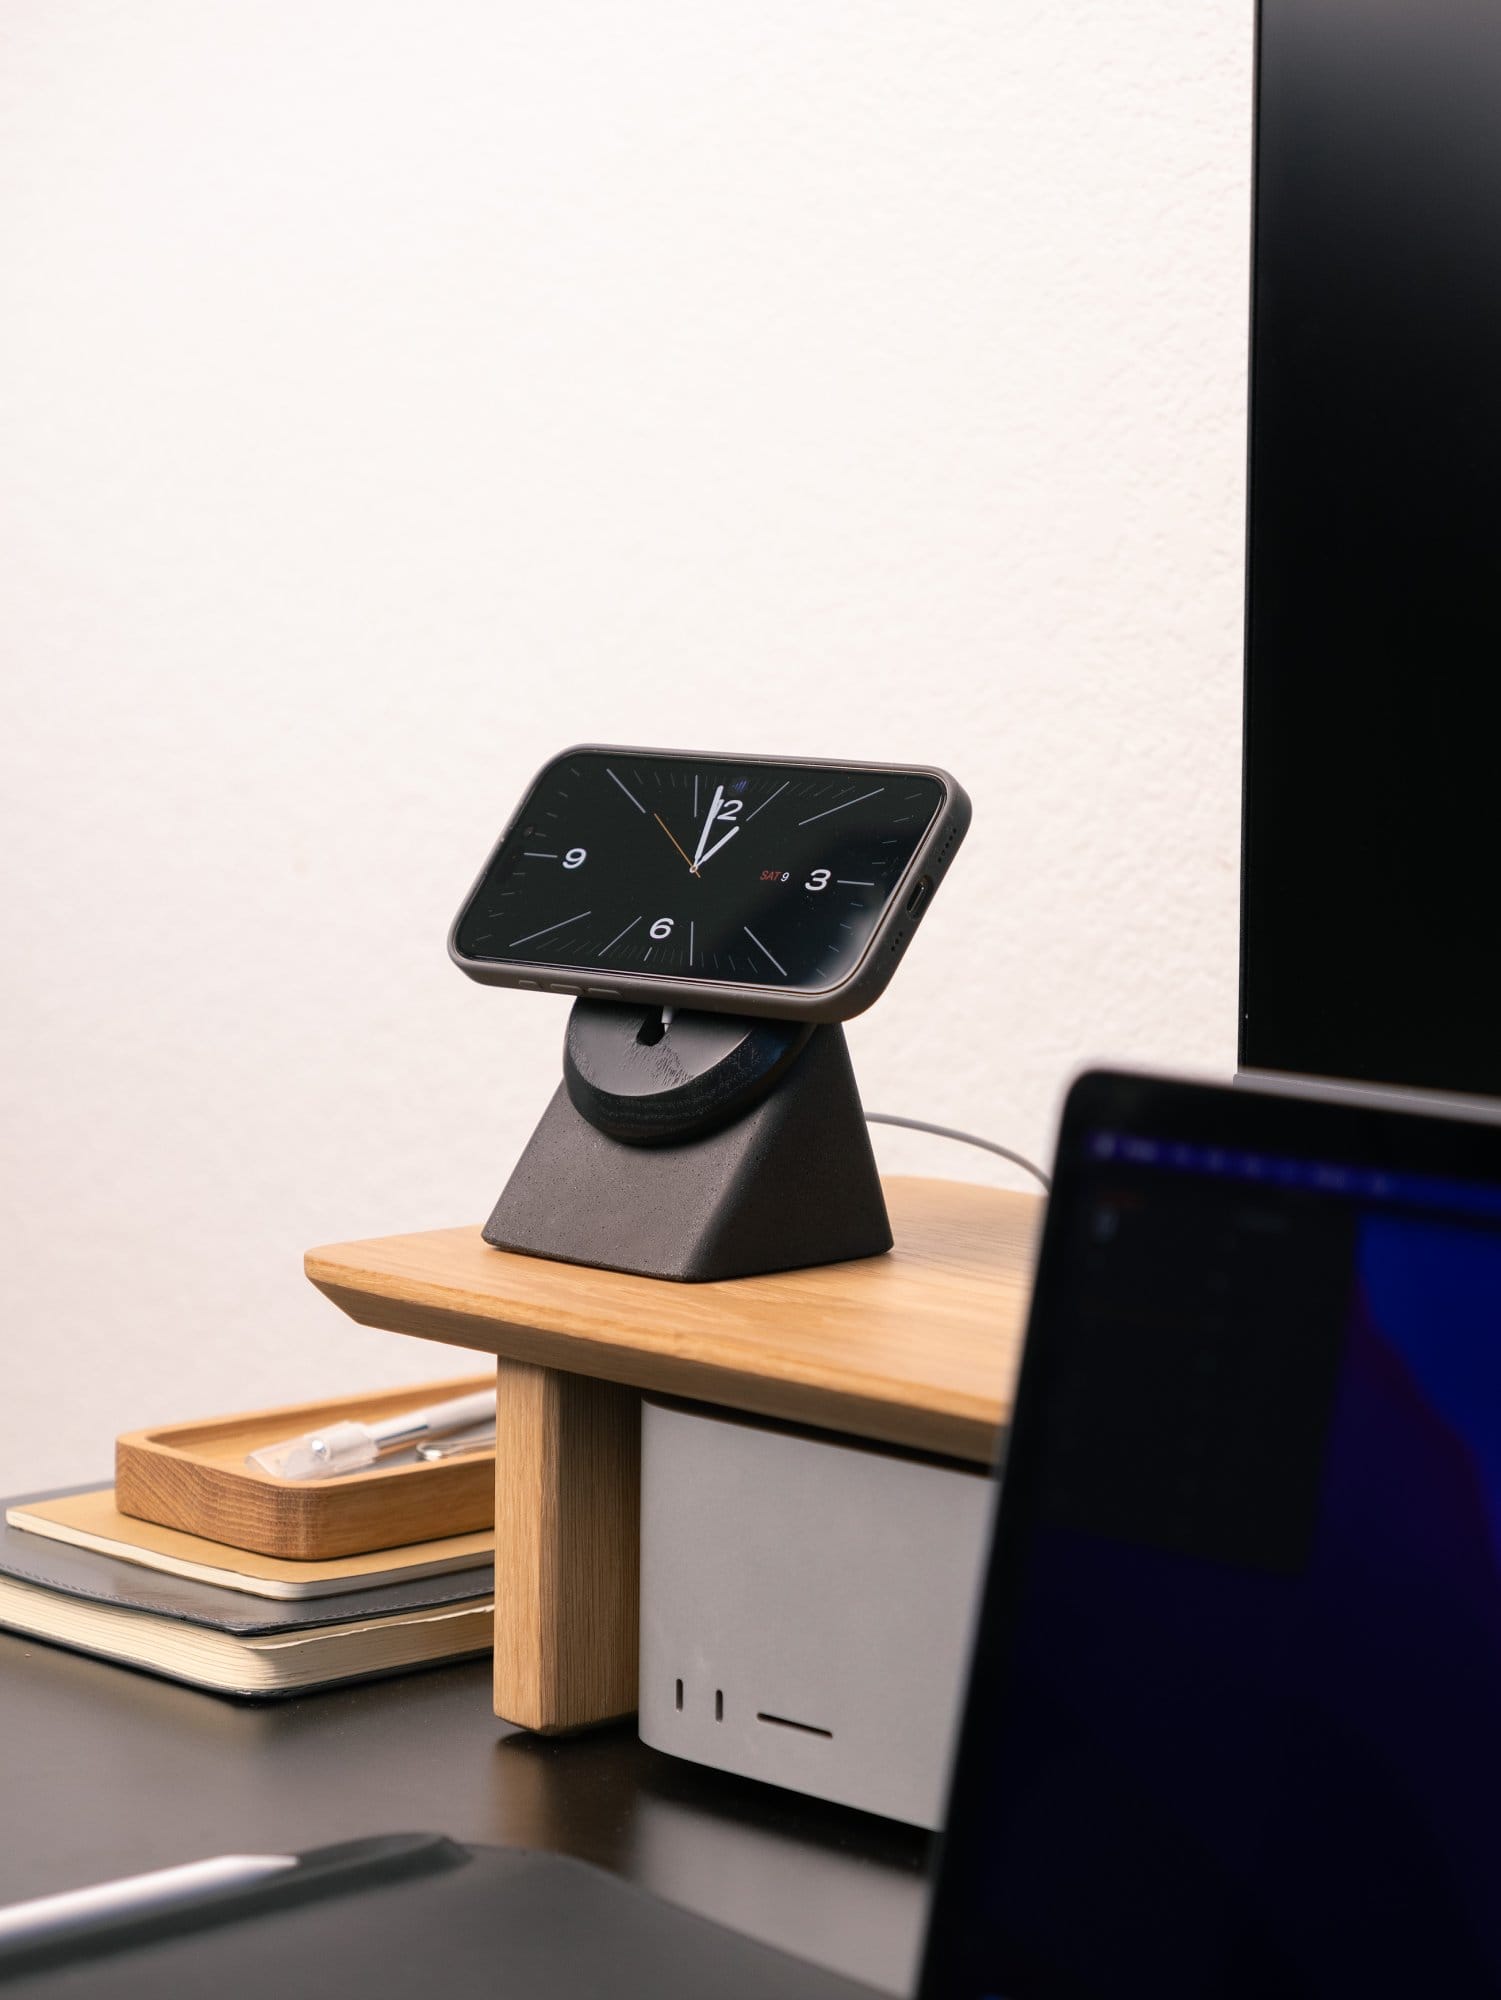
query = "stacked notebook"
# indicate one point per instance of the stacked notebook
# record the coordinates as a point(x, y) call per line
point(76, 1572)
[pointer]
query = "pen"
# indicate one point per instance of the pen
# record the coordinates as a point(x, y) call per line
point(85, 1923)
point(136, 1896)
point(349, 1446)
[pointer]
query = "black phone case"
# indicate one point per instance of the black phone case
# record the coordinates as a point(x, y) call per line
point(852, 996)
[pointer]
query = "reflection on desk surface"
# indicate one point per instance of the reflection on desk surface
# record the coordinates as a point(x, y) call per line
point(113, 1772)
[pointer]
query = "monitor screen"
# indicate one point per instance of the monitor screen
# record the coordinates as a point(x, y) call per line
point(1235, 1723)
point(1370, 946)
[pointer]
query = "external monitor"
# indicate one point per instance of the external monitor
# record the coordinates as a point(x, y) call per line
point(1371, 940)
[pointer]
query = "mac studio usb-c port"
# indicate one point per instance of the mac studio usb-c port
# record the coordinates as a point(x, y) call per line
point(919, 894)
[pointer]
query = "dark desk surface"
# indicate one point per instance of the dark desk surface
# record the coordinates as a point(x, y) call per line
point(107, 1772)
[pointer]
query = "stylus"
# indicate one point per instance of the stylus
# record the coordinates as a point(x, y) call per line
point(169, 1902)
point(135, 1896)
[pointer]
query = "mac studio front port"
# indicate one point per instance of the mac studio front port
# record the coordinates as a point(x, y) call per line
point(806, 1606)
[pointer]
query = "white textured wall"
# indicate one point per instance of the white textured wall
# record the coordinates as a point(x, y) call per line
point(390, 394)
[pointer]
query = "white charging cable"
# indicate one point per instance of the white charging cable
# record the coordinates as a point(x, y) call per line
point(964, 1138)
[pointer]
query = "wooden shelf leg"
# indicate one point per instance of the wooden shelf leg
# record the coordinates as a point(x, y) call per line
point(567, 1548)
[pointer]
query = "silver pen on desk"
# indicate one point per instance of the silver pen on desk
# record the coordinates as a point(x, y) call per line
point(349, 1446)
point(135, 1896)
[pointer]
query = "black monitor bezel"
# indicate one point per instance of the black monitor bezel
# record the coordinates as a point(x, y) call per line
point(1436, 1038)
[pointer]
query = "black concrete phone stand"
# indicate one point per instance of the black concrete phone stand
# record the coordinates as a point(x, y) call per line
point(696, 1146)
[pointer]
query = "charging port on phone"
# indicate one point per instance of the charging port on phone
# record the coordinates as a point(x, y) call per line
point(919, 894)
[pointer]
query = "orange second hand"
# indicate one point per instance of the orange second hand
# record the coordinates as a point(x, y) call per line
point(674, 839)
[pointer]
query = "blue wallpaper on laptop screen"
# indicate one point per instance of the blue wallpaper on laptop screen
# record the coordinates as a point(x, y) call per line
point(1277, 1772)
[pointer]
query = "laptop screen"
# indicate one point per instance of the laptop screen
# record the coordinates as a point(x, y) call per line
point(1235, 1720)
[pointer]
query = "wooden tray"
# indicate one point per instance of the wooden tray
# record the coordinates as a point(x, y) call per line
point(194, 1477)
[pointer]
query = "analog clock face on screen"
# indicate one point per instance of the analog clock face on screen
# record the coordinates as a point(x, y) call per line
point(749, 874)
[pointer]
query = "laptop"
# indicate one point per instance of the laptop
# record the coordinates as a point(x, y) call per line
point(1234, 1718)
point(1234, 1721)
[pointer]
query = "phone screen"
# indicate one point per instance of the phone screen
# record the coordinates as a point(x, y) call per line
point(737, 873)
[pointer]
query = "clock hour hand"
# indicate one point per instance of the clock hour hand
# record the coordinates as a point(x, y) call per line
point(709, 854)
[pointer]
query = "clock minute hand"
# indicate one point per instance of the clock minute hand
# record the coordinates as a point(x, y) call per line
point(715, 803)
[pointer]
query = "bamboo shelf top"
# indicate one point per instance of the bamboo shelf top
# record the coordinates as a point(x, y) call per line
point(917, 1348)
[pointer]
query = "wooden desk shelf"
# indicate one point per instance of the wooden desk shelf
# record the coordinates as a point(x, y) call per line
point(916, 1348)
